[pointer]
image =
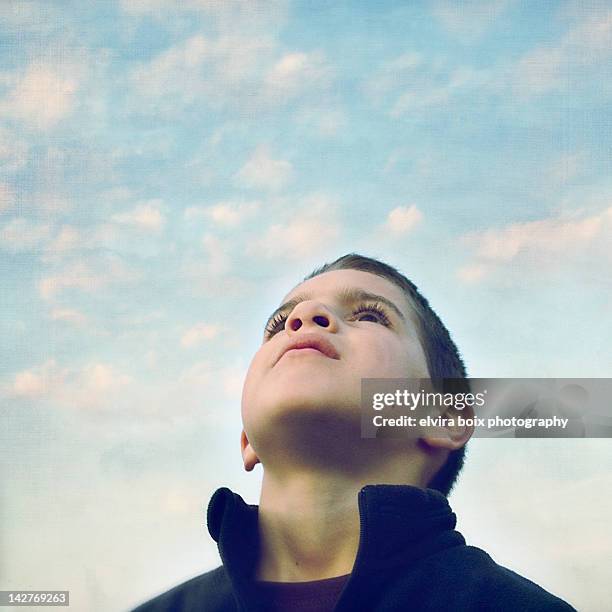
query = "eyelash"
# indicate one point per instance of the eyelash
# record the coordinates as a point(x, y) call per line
point(374, 308)
point(275, 325)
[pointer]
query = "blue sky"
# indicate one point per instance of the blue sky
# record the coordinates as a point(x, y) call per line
point(169, 170)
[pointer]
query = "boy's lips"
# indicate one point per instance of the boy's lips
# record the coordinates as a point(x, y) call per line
point(311, 341)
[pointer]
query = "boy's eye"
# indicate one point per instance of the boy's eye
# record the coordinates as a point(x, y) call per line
point(275, 325)
point(367, 316)
point(372, 313)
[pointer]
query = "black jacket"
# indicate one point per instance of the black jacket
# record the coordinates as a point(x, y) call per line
point(409, 558)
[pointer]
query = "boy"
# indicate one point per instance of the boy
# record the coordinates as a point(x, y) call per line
point(344, 522)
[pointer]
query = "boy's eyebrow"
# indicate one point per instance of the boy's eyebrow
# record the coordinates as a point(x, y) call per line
point(346, 296)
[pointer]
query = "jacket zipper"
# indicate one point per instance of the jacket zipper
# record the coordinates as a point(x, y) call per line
point(343, 600)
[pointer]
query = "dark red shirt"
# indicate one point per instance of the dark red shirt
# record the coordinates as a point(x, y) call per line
point(314, 596)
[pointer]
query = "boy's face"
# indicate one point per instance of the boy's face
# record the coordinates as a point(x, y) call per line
point(335, 329)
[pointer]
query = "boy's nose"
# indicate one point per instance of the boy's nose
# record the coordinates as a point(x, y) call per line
point(311, 314)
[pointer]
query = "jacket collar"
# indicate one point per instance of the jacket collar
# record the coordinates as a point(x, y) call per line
point(399, 524)
point(232, 523)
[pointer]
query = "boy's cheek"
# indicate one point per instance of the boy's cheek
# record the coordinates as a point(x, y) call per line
point(263, 356)
point(255, 368)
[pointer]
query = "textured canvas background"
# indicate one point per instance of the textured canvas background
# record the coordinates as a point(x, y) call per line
point(169, 169)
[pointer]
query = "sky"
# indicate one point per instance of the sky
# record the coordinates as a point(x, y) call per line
point(170, 170)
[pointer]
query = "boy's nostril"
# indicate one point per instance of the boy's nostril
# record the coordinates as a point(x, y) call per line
point(322, 321)
point(296, 324)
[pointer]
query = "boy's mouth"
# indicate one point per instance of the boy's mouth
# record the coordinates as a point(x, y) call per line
point(311, 341)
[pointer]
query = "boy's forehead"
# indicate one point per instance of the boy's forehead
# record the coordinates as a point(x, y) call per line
point(331, 283)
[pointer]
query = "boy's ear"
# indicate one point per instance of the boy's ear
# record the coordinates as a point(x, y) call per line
point(452, 437)
point(249, 458)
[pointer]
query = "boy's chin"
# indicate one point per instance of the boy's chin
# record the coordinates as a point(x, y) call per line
point(302, 399)
point(307, 418)
point(322, 436)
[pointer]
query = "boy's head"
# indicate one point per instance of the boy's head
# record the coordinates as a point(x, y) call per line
point(364, 319)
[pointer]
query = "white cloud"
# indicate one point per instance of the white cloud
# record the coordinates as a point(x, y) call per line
point(228, 215)
point(101, 377)
point(50, 202)
point(234, 63)
point(180, 501)
point(554, 241)
point(420, 99)
point(238, 64)
point(116, 194)
point(89, 386)
point(176, 70)
point(7, 197)
point(68, 315)
point(85, 276)
point(410, 84)
point(42, 96)
point(29, 16)
point(146, 216)
point(36, 382)
point(539, 71)
point(585, 47)
point(144, 7)
point(20, 234)
point(151, 358)
point(296, 73)
point(324, 121)
point(216, 274)
point(472, 273)
point(403, 219)
point(199, 333)
point(241, 14)
point(309, 228)
point(67, 240)
point(13, 151)
point(426, 95)
point(219, 72)
point(390, 74)
point(565, 168)
point(205, 379)
point(468, 19)
point(219, 261)
point(237, 25)
point(550, 235)
point(232, 379)
point(75, 276)
point(198, 375)
point(263, 172)
point(225, 214)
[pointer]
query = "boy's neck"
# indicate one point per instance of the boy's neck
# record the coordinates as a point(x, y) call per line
point(309, 521)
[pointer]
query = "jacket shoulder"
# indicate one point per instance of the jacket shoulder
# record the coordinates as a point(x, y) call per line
point(209, 592)
point(499, 588)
